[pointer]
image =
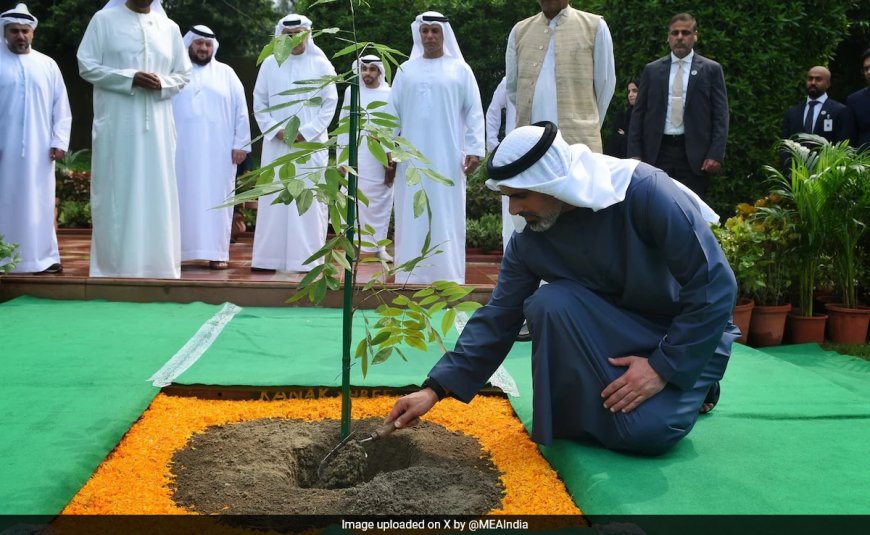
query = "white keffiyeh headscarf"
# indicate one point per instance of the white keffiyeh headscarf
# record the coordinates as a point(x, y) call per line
point(571, 173)
point(451, 45)
point(371, 59)
point(201, 32)
point(19, 15)
point(301, 21)
point(155, 5)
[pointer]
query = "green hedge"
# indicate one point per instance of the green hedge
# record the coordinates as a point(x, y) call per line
point(765, 49)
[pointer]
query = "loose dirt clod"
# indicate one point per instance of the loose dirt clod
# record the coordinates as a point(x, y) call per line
point(269, 467)
point(346, 468)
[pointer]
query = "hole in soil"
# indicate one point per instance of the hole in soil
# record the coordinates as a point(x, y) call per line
point(269, 467)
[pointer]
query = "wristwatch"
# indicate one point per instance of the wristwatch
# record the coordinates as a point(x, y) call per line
point(437, 388)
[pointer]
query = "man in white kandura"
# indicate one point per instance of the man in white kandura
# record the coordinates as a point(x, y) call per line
point(283, 239)
point(135, 58)
point(375, 180)
point(214, 134)
point(35, 122)
point(436, 99)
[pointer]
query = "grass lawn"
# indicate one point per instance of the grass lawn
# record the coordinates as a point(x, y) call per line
point(856, 350)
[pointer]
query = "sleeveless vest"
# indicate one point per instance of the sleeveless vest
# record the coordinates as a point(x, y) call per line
point(575, 96)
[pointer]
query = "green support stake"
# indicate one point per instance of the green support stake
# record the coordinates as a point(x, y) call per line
point(347, 313)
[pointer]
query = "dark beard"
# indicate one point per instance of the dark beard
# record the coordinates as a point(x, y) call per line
point(198, 61)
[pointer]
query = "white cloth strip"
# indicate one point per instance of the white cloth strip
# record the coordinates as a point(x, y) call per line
point(501, 378)
point(185, 357)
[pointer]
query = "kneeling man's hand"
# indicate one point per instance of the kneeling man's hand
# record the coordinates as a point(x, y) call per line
point(408, 409)
point(639, 383)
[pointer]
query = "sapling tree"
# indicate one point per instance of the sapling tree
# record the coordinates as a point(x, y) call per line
point(399, 321)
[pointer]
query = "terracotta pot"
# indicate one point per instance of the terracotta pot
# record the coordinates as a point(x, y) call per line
point(741, 317)
point(767, 325)
point(807, 329)
point(847, 325)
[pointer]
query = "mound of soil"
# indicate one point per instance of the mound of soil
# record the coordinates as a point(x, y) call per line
point(269, 467)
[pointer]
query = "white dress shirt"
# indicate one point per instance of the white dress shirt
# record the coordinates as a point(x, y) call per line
point(670, 129)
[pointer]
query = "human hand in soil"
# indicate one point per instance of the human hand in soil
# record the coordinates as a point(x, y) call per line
point(408, 410)
point(639, 383)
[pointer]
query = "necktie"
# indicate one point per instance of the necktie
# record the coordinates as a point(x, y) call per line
point(677, 96)
point(808, 121)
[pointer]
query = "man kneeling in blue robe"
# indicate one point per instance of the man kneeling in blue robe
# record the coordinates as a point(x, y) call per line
point(632, 331)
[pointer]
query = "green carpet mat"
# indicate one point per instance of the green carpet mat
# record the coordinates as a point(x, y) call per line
point(789, 436)
point(850, 373)
point(299, 347)
point(74, 380)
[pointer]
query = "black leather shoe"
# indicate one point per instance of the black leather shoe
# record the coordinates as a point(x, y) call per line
point(54, 268)
point(524, 335)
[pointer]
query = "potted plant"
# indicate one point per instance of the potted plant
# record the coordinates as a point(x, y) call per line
point(804, 198)
point(842, 172)
point(774, 235)
point(741, 245)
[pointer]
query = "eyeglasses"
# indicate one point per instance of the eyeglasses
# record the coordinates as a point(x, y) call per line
point(684, 33)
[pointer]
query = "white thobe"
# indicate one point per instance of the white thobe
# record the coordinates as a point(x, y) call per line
point(283, 239)
point(370, 171)
point(134, 196)
point(500, 102)
point(493, 115)
point(211, 115)
point(438, 105)
point(34, 118)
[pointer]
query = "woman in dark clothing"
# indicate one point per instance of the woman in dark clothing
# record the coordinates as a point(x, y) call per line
point(617, 145)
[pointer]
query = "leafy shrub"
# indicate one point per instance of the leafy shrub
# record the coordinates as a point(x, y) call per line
point(74, 213)
point(759, 243)
point(8, 256)
point(479, 199)
point(484, 233)
point(73, 176)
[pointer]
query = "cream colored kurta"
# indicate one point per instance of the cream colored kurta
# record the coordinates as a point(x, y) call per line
point(283, 239)
point(371, 171)
point(438, 105)
point(134, 195)
point(34, 118)
point(211, 115)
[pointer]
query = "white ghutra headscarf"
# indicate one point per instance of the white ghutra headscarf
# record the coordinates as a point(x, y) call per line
point(538, 158)
point(155, 5)
point(371, 59)
point(19, 15)
point(201, 32)
point(451, 45)
point(302, 21)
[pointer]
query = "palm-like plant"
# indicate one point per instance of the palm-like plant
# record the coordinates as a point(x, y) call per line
point(843, 173)
point(805, 193)
point(829, 191)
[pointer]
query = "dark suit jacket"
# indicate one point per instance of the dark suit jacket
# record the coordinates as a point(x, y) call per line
point(859, 104)
point(841, 128)
point(705, 116)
